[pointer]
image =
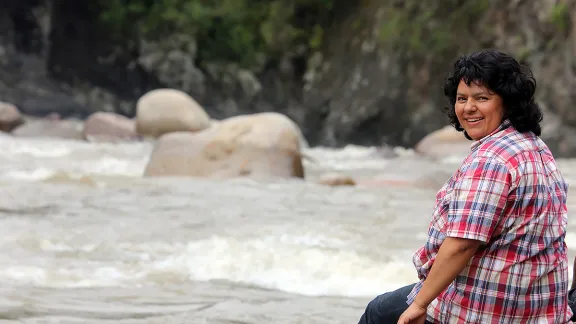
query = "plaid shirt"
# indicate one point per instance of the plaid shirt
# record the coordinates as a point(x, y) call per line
point(509, 194)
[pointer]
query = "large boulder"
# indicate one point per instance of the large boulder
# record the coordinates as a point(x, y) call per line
point(109, 127)
point(163, 111)
point(10, 117)
point(444, 142)
point(258, 145)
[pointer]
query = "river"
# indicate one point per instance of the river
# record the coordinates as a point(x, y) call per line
point(84, 238)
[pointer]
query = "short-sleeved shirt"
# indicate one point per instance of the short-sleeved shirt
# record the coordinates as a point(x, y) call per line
point(509, 194)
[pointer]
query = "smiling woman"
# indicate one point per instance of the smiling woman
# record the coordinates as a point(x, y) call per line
point(496, 250)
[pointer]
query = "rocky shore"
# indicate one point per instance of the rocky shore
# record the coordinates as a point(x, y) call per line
point(187, 142)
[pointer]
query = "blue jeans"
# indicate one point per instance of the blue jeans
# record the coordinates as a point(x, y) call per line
point(572, 302)
point(387, 308)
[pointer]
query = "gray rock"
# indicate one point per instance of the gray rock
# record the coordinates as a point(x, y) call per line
point(172, 61)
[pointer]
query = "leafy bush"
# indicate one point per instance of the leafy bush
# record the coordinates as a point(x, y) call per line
point(226, 30)
point(432, 27)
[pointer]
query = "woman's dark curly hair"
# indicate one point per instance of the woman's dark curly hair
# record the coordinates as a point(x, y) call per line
point(503, 75)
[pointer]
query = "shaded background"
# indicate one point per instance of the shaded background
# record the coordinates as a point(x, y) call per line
point(348, 72)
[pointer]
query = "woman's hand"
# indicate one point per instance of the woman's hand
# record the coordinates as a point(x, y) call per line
point(413, 315)
point(453, 255)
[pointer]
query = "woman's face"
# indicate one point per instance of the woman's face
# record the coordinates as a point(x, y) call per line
point(479, 111)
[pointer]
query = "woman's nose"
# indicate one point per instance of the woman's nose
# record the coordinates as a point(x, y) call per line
point(470, 106)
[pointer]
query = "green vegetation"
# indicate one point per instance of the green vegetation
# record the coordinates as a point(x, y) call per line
point(226, 30)
point(429, 26)
point(560, 17)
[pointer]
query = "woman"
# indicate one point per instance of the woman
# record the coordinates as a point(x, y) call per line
point(495, 251)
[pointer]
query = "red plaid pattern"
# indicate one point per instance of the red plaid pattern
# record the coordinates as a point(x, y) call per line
point(509, 194)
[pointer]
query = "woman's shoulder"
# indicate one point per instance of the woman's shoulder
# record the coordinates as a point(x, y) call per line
point(514, 153)
point(501, 154)
point(511, 147)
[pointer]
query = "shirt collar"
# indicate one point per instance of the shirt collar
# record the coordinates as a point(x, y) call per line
point(505, 124)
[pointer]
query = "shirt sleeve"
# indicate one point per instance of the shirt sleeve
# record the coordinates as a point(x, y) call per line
point(478, 200)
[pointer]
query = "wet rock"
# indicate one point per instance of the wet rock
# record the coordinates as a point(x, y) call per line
point(163, 111)
point(336, 179)
point(446, 141)
point(10, 117)
point(258, 145)
point(109, 127)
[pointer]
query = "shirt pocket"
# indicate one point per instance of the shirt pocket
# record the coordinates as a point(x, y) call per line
point(440, 212)
point(443, 198)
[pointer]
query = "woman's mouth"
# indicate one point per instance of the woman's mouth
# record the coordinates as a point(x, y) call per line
point(473, 121)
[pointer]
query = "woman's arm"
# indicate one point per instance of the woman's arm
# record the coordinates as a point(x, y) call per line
point(453, 255)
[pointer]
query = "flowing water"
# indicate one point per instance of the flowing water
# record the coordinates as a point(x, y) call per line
point(84, 238)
